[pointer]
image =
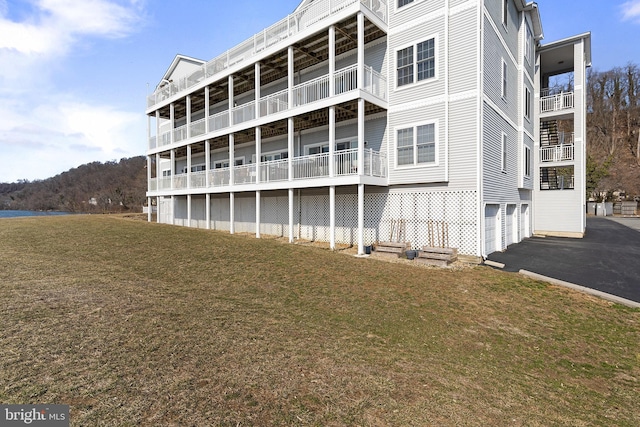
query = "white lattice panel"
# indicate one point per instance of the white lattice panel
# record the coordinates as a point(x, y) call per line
point(347, 219)
point(220, 213)
point(245, 214)
point(274, 215)
point(314, 218)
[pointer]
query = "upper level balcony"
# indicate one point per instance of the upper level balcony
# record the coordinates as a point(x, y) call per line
point(555, 100)
point(345, 81)
point(345, 163)
point(315, 14)
point(562, 152)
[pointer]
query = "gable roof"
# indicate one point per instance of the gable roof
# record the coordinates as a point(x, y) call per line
point(176, 63)
point(302, 4)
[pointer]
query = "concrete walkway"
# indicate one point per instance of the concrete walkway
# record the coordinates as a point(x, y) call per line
point(607, 259)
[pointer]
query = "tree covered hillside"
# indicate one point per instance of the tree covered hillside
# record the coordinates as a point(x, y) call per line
point(94, 187)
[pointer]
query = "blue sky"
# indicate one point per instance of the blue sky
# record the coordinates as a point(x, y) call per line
point(74, 73)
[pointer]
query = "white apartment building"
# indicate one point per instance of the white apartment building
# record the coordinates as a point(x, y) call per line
point(433, 122)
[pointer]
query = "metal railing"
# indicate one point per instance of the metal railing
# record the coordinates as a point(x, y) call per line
point(304, 167)
point(311, 15)
point(198, 127)
point(557, 153)
point(551, 101)
point(244, 113)
point(274, 103)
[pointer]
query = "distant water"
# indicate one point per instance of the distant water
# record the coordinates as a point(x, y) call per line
point(13, 214)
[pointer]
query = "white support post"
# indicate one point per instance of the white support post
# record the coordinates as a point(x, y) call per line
point(173, 167)
point(149, 209)
point(360, 77)
point(158, 171)
point(172, 119)
point(291, 215)
point(207, 162)
point(332, 141)
point(188, 210)
point(232, 213)
point(188, 116)
point(360, 136)
point(231, 105)
point(360, 219)
point(207, 107)
point(257, 89)
point(207, 210)
point(290, 154)
point(258, 152)
point(157, 128)
point(332, 60)
point(332, 217)
point(173, 210)
point(257, 214)
point(232, 155)
point(290, 76)
point(189, 166)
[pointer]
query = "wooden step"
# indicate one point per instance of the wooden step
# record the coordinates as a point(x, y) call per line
point(443, 257)
point(389, 249)
point(403, 245)
point(430, 249)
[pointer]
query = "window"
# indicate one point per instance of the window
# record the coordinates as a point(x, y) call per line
point(505, 12)
point(527, 161)
point(166, 173)
point(528, 49)
point(404, 3)
point(503, 161)
point(416, 145)
point(527, 103)
point(504, 80)
point(416, 63)
point(197, 168)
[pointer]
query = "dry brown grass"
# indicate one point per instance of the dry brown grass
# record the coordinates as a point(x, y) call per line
point(133, 323)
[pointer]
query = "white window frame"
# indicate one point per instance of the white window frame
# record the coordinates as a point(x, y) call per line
point(503, 152)
point(504, 81)
point(222, 162)
point(353, 143)
point(414, 46)
point(271, 153)
point(527, 103)
point(415, 163)
point(527, 161)
point(405, 6)
point(528, 46)
point(200, 167)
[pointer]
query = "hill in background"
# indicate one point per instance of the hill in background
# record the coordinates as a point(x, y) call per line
point(94, 187)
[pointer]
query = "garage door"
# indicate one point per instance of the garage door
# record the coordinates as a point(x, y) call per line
point(491, 228)
point(511, 232)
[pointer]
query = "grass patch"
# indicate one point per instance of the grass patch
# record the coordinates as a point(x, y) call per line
point(134, 323)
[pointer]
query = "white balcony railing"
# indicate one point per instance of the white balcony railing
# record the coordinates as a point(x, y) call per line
point(219, 121)
point(304, 167)
point(244, 113)
point(198, 127)
point(180, 133)
point(274, 103)
point(550, 100)
point(556, 153)
point(311, 15)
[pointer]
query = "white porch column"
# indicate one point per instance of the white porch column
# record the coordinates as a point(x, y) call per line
point(173, 210)
point(188, 116)
point(149, 208)
point(189, 166)
point(257, 88)
point(258, 152)
point(207, 210)
point(148, 181)
point(360, 50)
point(206, 110)
point(258, 214)
point(157, 128)
point(360, 136)
point(291, 215)
point(290, 76)
point(332, 217)
point(172, 119)
point(332, 141)
point(207, 161)
point(173, 166)
point(232, 154)
point(232, 213)
point(332, 60)
point(360, 219)
point(158, 171)
point(231, 104)
point(290, 154)
point(188, 210)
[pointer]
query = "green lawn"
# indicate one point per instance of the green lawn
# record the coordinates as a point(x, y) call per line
point(134, 323)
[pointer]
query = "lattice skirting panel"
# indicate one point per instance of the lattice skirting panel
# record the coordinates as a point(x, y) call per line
point(423, 218)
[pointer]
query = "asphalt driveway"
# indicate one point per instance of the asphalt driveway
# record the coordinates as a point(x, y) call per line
point(606, 259)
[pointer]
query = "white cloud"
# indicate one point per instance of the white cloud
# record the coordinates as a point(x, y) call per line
point(631, 11)
point(46, 129)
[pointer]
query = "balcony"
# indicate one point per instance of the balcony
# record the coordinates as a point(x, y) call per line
point(345, 81)
point(312, 15)
point(303, 168)
point(557, 153)
point(552, 100)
